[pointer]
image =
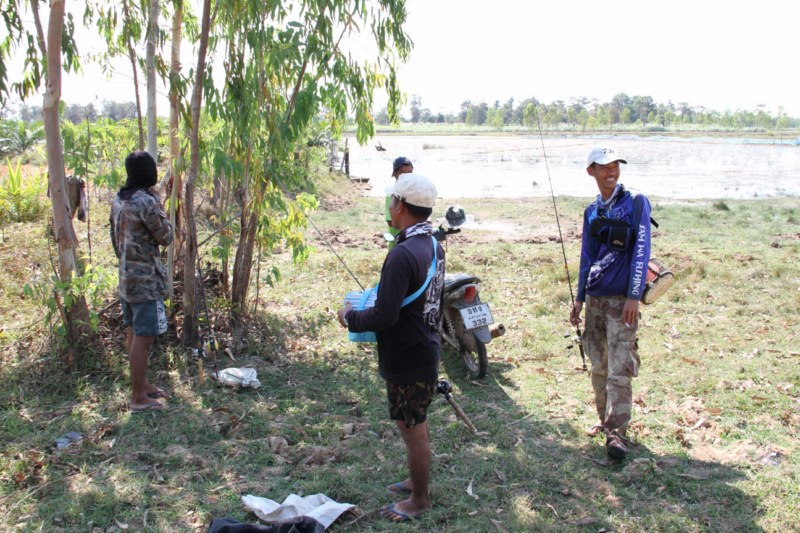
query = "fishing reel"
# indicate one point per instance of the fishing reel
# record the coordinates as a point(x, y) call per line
point(444, 388)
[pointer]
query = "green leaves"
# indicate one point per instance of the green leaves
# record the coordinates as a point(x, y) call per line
point(21, 197)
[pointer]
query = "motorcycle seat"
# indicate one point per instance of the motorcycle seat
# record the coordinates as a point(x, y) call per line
point(454, 281)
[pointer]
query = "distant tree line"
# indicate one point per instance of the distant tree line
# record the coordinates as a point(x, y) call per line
point(76, 113)
point(581, 114)
point(584, 114)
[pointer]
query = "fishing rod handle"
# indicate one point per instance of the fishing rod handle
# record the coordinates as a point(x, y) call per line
point(462, 415)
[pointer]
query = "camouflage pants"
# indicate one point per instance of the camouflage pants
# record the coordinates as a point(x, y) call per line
point(613, 350)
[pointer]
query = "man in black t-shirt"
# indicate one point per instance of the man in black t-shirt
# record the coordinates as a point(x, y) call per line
point(405, 319)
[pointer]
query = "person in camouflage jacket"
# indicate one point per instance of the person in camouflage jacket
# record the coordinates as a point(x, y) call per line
point(138, 227)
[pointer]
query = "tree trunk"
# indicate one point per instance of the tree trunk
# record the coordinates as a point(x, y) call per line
point(189, 285)
point(76, 313)
point(175, 212)
point(242, 267)
point(150, 61)
point(132, 57)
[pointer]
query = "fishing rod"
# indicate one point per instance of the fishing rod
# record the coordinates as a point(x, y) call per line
point(321, 236)
point(560, 238)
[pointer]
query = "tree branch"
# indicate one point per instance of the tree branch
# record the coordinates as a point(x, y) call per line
point(39, 32)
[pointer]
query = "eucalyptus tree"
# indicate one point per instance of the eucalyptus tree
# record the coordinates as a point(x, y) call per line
point(153, 41)
point(120, 24)
point(177, 87)
point(42, 64)
point(285, 63)
point(124, 25)
point(200, 80)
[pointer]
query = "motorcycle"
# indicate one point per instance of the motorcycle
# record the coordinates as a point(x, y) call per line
point(466, 323)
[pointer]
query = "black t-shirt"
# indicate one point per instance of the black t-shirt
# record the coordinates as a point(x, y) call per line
point(408, 337)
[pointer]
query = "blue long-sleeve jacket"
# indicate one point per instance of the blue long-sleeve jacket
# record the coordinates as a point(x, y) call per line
point(604, 272)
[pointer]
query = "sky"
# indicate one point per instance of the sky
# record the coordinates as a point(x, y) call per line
point(731, 55)
point(720, 55)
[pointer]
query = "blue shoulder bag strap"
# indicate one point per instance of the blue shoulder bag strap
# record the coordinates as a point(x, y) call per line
point(412, 297)
point(431, 272)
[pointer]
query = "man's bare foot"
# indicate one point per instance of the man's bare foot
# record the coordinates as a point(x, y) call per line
point(595, 430)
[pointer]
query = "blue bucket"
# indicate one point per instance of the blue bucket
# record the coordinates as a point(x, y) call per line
point(360, 300)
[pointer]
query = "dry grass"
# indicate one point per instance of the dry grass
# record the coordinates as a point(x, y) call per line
point(715, 411)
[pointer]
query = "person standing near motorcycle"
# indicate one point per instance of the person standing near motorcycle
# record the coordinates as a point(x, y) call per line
point(402, 165)
point(615, 250)
point(406, 327)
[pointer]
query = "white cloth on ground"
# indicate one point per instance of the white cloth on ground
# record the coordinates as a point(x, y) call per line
point(317, 506)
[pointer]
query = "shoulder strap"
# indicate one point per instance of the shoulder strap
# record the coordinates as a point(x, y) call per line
point(431, 272)
point(638, 207)
point(408, 299)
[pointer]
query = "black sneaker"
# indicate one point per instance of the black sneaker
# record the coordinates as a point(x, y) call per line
point(615, 448)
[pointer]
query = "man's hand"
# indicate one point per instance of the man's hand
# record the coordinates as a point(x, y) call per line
point(341, 312)
point(156, 193)
point(575, 313)
point(630, 313)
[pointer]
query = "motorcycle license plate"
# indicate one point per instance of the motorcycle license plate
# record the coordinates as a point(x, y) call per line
point(477, 316)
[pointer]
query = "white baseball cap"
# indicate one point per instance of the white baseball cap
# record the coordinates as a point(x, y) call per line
point(603, 156)
point(414, 189)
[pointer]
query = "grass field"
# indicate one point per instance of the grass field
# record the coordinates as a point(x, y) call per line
point(716, 416)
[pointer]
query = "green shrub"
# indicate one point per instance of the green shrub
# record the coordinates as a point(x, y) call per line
point(21, 197)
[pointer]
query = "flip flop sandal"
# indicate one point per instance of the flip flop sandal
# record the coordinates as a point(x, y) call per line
point(155, 406)
point(389, 512)
point(398, 488)
point(158, 393)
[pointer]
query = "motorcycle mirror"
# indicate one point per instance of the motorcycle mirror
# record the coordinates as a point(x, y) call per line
point(455, 216)
point(388, 237)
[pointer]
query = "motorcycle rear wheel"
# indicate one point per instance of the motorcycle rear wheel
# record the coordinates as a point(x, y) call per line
point(477, 361)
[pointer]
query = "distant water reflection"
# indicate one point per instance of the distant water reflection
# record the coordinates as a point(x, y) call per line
point(514, 166)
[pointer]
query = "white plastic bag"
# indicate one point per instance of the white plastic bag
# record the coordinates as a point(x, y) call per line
point(239, 377)
point(318, 506)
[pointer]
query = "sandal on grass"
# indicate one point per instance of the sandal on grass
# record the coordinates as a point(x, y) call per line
point(398, 488)
point(155, 406)
point(390, 512)
point(158, 393)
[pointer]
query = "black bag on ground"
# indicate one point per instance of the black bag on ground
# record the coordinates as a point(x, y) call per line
point(298, 524)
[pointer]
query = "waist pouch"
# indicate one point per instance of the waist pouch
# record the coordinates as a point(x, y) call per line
point(615, 234)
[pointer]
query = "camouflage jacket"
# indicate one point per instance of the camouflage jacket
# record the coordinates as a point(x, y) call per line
point(138, 226)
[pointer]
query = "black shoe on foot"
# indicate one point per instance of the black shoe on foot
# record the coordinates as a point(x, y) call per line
point(615, 448)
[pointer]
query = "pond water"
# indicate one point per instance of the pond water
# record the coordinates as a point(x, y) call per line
point(517, 166)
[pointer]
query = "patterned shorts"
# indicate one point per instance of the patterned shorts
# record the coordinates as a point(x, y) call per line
point(148, 319)
point(409, 403)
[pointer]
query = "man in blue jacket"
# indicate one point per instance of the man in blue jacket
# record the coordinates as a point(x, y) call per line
point(405, 318)
point(615, 250)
